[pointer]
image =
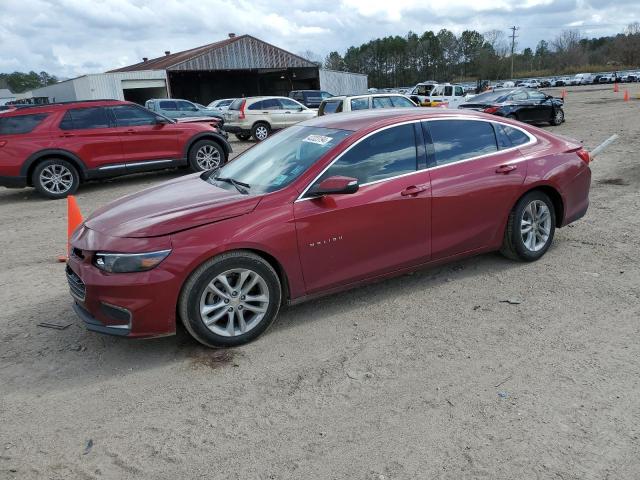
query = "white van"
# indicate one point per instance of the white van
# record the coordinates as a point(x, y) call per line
point(453, 95)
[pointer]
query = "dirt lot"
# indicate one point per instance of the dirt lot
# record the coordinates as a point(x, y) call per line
point(428, 376)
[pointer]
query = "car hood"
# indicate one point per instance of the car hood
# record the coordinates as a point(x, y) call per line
point(170, 207)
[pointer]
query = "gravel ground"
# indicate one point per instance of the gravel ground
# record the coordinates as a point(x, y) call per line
point(429, 375)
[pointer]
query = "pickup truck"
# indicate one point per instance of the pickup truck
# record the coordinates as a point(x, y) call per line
point(451, 95)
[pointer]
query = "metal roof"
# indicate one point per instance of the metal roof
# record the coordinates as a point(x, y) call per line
point(238, 53)
point(5, 93)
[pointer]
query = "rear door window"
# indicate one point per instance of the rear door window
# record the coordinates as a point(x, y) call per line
point(186, 106)
point(360, 103)
point(168, 105)
point(382, 102)
point(401, 102)
point(85, 119)
point(517, 137)
point(271, 104)
point(131, 116)
point(253, 106)
point(457, 140)
point(20, 124)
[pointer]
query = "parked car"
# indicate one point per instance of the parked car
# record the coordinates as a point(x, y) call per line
point(257, 117)
point(56, 147)
point(557, 82)
point(351, 103)
point(421, 91)
point(522, 104)
point(176, 108)
point(310, 98)
point(221, 105)
point(452, 95)
point(293, 218)
point(607, 78)
point(582, 79)
point(533, 83)
point(545, 83)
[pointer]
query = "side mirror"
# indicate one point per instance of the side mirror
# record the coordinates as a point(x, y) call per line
point(300, 109)
point(336, 185)
point(162, 121)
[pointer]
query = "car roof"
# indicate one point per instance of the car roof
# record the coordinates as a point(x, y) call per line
point(25, 109)
point(367, 95)
point(364, 119)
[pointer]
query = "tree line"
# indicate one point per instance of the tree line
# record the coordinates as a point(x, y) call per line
point(396, 61)
point(19, 82)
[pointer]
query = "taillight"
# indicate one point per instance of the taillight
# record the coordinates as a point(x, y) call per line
point(242, 105)
point(491, 109)
point(584, 155)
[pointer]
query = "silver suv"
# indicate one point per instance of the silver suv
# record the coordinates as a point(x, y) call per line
point(257, 117)
point(176, 108)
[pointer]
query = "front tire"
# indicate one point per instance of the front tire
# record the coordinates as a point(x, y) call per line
point(230, 300)
point(55, 178)
point(558, 117)
point(530, 228)
point(260, 131)
point(206, 155)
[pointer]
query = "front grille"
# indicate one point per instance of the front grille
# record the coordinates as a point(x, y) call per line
point(76, 285)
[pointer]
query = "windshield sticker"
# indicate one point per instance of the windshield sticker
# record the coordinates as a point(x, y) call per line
point(317, 139)
point(279, 179)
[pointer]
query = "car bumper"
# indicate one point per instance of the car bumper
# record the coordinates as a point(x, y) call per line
point(140, 304)
point(236, 129)
point(13, 182)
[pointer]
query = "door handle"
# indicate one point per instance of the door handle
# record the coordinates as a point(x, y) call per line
point(287, 112)
point(504, 169)
point(67, 135)
point(414, 190)
point(131, 131)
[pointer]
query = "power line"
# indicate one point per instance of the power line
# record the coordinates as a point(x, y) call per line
point(513, 44)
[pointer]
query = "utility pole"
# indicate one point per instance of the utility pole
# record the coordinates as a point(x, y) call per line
point(513, 45)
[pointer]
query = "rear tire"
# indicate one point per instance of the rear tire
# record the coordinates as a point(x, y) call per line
point(238, 294)
point(530, 228)
point(512, 116)
point(260, 131)
point(55, 178)
point(206, 155)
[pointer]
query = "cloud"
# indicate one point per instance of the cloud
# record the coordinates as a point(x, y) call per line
point(72, 37)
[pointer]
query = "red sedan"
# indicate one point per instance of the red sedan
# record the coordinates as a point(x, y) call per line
point(323, 206)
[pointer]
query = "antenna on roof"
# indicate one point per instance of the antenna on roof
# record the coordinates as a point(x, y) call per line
point(232, 35)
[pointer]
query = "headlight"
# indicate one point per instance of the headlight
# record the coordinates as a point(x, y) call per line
point(129, 262)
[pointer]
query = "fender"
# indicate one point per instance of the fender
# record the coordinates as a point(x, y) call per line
point(213, 135)
point(53, 152)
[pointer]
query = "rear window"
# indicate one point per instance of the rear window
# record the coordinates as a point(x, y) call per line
point(20, 124)
point(84, 119)
point(456, 140)
point(381, 102)
point(236, 104)
point(331, 107)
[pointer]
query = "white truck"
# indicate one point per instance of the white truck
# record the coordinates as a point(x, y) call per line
point(445, 93)
point(582, 79)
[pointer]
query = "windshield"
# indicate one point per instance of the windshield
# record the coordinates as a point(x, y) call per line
point(488, 97)
point(277, 161)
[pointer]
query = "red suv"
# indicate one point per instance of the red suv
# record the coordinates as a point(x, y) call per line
point(55, 147)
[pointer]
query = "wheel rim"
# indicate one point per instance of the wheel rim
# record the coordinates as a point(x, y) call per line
point(559, 116)
point(262, 133)
point(234, 302)
point(535, 226)
point(208, 157)
point(56, 179)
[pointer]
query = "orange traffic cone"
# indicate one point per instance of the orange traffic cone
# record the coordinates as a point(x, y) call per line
point(564, 94)
point(615, 87)
point(74, 219)
point(626, 95)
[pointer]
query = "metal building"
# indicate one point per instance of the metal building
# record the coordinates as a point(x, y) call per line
point(243, 66)
point(238, 66)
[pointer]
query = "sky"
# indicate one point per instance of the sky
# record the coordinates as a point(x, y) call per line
point(69, 38)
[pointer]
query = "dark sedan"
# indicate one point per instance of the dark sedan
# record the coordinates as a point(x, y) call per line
point(524, 104)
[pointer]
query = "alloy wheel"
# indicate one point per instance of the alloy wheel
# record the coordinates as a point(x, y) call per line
point(208, 157)
point(559, 117)
point(535, 226)
point(56, 179)
point(234, 302)
point(261, 133)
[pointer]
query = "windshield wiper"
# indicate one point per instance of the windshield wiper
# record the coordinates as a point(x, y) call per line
point(240, 186)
